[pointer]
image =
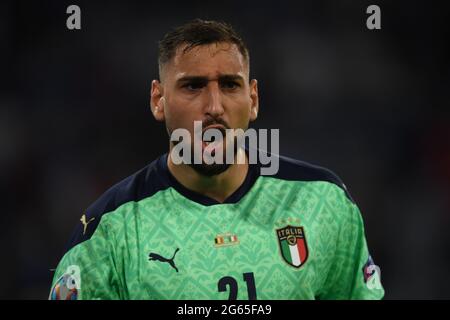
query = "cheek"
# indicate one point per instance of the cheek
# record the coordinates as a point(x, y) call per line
point(179, 115)
point(240, 113)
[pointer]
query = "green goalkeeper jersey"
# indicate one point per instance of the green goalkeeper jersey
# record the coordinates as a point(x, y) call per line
point(294, 235)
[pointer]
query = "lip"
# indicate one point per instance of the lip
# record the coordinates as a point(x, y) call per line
point(219, 127)
point(215, 126)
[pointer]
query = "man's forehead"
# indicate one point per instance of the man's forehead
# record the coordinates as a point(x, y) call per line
point(212, 60)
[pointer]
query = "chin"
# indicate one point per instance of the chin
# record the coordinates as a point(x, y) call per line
point(210, 170)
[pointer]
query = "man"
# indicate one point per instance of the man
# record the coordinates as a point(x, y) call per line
point(217, 231)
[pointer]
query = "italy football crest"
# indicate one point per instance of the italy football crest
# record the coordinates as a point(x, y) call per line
point(293, 246)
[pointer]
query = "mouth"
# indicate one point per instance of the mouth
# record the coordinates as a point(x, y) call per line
point(219, 127)
point(213, 141)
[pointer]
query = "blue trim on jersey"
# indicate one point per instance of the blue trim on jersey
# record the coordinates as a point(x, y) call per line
point(157, 177)
point(296, 170)
point(143, 184)
point(250, 179)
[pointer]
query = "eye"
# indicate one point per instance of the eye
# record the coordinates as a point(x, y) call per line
point(193, 86)
point(230, 85)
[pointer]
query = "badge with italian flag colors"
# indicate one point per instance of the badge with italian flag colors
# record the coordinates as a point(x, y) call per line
point(293, 245)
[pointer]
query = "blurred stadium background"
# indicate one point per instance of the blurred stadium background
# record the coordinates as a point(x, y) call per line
point(371, 105)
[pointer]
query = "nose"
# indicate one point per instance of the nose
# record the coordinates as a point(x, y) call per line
point(214, 106)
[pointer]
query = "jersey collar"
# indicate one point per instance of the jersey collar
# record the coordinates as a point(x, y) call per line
point(252, 175)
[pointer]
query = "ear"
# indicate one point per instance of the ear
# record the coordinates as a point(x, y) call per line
point(255, 100)
point(157, 101)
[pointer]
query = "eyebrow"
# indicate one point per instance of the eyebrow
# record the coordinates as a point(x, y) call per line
point(224, 77)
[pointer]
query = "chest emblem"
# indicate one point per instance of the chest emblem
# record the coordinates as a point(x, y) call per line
point(293, 247)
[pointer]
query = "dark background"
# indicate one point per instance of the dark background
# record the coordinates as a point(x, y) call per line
point(370, 105)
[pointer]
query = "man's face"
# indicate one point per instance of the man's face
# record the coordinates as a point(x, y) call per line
point(208, 83)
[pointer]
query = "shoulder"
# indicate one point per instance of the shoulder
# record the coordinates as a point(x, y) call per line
point(297, 170)
point(140, 185)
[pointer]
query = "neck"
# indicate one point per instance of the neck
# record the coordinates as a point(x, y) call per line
point(218, 187)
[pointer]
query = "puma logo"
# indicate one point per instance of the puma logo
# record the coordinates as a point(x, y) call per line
point(85, 224)
point(155, 256)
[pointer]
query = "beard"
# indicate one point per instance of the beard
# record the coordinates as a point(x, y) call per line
point(211, 169)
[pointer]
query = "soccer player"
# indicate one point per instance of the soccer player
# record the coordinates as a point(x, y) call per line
point(217, 231)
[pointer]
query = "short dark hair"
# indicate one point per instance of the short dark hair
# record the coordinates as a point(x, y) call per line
point(196, 33)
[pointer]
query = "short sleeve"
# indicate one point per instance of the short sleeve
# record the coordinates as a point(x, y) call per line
point(87, 271)
point(353, 274)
